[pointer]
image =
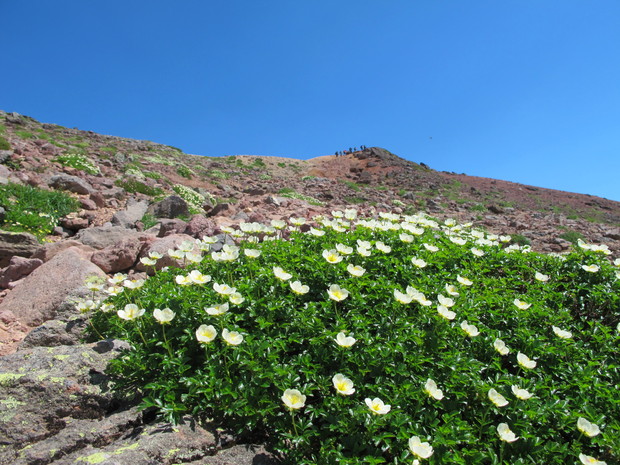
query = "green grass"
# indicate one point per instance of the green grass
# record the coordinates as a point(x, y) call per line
point(351, 185)
point(4, 144)
point(184, 171)
point(572, 236)
point(135, 186)
point(34, 210)
point(76, 158)
point(286, 337)
point(24, 134)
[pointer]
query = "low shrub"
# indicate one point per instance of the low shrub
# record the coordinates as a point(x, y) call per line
point(133, 186)
point(34, 210)
point(381, 341)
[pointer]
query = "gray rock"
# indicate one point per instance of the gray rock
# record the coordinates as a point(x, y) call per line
point(44, 389)
point(71, 184)
point(171, 207)
point(171, 226)
point(21, 244)
point(56, 333)
point(5, 155)
point(131, 215)
point(103, 236)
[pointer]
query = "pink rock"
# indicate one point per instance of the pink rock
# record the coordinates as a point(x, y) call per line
point(88, 204)
point(50, 250)
point(17, 269)
point(171, 226)
point(118, 257)
point(200, 226)
point(41, 293)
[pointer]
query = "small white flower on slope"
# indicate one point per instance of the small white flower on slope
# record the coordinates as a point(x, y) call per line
point(420, 449)
point(588, 460)
point(377, 406)
point(344, 341)
point(505, 434)
point(497, 398)
point(587, 428)
point(432, 390)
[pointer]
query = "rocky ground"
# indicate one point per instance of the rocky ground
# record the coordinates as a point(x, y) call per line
point(55, 403)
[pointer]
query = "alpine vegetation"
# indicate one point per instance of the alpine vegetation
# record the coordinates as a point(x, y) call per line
point(391, 340)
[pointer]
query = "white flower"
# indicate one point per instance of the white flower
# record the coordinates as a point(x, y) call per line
point(105, 308)
point(420, 449)
point(343, 249)
point(430, 247)
point(562, 333)
point(377, 406)
point(402, 298)
point(299, 288)
point(445, 301)
point(316, 232)
point(363, 251)
point(252, 253)
point(194, 257)
point(445, 313)
point(332, 256)
point(197, 277)
point(470, 330)
point(223, 289)
point(219, 309)
point(356, 271)
point(155, 255)
point(364, 244)
point(147, 261)
point(522, 394)
point(163, 316)
point(406, 238)
point(588, 460)
point(587, 428)
point(457, 240)
point(186, 246)
point(343, 340)
point(117, 278)
point(232, 338)
point(343, 384)
point(293, 399)
point(521, 305)
point(205, 334)
point(477, 252)
point(133, 283)
point(114, 290)
point(281, 274)
point(525, 361)
point(541, 277)
point(431, 389)
point(176, 254)
point(591, 268)
point(501, 347)
point(451, 289)
point(497, 398)
point(336, 293)
point(278, 224)
point(505, 434)
point(418, 262)
point(383, 247)
point(236, 298)
point(130, 312)
point(464, 281)
point(183, 280)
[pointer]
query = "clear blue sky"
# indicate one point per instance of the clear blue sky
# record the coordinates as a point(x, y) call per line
point(526, 91)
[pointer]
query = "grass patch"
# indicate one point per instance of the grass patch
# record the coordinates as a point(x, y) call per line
point(24, 134)
point(34, 210)
point(75, 158)
point(185, 172)
point(136, 186)
point(571, 236)
point(351, 185)
point(4, 144)
point(354, 373)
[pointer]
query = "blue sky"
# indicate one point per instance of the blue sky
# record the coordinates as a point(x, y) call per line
point(526, 91)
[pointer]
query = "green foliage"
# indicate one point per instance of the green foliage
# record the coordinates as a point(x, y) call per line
point(286, 190)
point(305, 198)
point(149, 221)
point(153, 175)
point(194, 199)
point(133, 186)
point(289, 342)
point(24, 134)
point(2, 128)
point(351, 185)
point(520, 239)
point(572, 236)
point(109, 149)
point(218, 174)
point(76, 158)
point(4, 144)
point(282, 164)
point(478, 208)
point(184, 171)
point(34, 210)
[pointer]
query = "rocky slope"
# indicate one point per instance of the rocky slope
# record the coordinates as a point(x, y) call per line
point(137, 197)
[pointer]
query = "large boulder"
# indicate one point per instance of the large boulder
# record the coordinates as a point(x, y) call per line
point(120, 256)
point(133, 212)
point(39, 296)
point(51, 249)
point(71, 184)
point(100, 237)
point(21, 244)
point(171, 207)
point(17, 269)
